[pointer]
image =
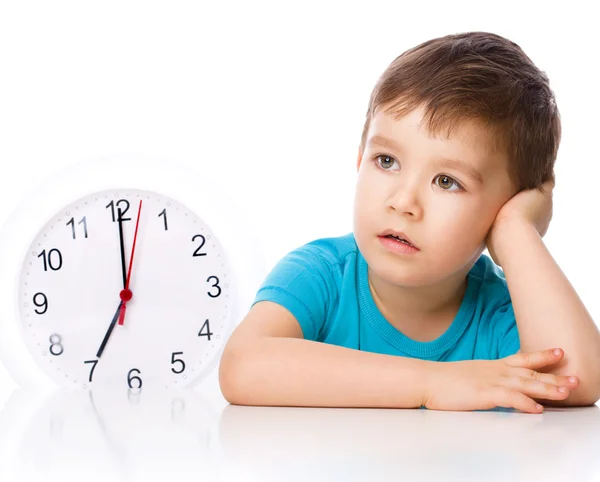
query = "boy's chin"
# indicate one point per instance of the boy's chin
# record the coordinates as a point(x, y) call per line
point(425, 272)
point(406, 276)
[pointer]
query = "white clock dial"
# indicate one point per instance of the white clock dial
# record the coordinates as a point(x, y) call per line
point(71, 281)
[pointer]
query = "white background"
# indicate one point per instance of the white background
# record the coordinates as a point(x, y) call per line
point(268, 99)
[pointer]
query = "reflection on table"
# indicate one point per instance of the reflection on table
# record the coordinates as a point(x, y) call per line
point(183, 435)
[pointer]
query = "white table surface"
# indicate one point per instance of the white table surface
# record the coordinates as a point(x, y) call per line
point(184, 436)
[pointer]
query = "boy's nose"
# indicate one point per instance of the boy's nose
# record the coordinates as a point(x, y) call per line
point(406, 200)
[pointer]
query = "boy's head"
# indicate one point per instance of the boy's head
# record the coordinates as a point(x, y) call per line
point(472, 98)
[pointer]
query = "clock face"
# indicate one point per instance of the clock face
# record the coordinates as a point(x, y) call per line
point(176, 313)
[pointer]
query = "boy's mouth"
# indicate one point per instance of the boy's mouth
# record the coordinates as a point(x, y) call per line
point(398, 236)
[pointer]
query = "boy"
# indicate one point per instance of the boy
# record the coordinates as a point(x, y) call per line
point(457, 154)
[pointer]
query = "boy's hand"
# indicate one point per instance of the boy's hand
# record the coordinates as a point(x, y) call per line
point(533, 206)
point(510, 382)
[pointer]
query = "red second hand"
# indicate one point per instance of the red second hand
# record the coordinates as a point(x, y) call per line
point(126, 294)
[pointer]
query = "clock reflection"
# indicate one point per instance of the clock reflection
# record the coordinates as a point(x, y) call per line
point(126, 435)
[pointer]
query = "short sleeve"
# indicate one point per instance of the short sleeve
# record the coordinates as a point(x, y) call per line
point(302, 282)
point(504, 335)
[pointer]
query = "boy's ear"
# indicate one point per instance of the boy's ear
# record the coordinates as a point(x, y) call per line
point(358, 161)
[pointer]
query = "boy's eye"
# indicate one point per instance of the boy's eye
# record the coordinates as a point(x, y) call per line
point(387, 162)
point(448, 181)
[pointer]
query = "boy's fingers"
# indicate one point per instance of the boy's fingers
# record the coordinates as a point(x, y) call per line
point(558, 380)
point(520, 401)
point(537, 389)
point(536, 359)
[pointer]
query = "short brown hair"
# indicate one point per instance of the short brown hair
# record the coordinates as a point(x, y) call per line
point(481, 77)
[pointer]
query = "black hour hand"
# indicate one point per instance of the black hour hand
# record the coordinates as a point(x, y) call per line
point(109, 331)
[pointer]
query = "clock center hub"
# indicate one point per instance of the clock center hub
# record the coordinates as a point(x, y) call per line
point(126, 295)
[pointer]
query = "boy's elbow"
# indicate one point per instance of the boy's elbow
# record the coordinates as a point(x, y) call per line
point(592, 394)
point(589, 386)
point(231, 381)
point(584, 399)
point(586, 393)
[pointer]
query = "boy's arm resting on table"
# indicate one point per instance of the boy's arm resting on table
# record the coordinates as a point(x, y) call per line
point(268, 362)
point(549, 313)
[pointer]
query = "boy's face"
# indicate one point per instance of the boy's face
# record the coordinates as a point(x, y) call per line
point(404, 185)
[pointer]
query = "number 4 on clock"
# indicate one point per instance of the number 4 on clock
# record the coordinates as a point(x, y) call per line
point(206, 326)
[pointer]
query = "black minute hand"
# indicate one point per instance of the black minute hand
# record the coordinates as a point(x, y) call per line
point(123, 268)
point(109, 331)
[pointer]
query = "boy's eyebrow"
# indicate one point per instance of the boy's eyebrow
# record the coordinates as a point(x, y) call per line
point(452, 163)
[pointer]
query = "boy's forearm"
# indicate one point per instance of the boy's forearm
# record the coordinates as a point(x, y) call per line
point(549, 312)
point(297, 372)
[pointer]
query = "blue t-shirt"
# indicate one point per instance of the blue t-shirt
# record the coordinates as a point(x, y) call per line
point(324, 284)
